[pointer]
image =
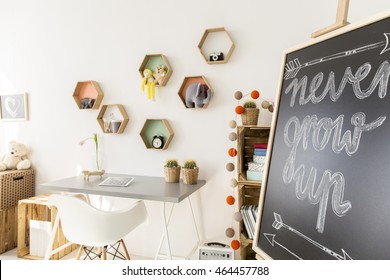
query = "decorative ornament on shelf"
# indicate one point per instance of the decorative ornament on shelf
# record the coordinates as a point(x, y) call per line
point(149, 82)
point(98, 171)
point(172, 171)
point(158, 142)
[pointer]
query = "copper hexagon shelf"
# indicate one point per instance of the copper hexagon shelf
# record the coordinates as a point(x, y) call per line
point(192, 101)
point(88, 95)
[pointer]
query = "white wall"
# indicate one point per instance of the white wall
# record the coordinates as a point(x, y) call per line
point(47, 46)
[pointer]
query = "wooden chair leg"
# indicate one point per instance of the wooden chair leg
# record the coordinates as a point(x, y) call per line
point(80, 251)
point(125, 249)
point(104, 253)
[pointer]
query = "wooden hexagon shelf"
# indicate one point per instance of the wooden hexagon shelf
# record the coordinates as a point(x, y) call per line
point(156, 127)
point(152, 62)
point(183, 91)
point(117, 125)
point(88, 95)
point(218, 49)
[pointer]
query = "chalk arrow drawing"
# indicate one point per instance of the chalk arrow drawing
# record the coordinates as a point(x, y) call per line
point(271, 239)
point(292, 67)
point(278, 224)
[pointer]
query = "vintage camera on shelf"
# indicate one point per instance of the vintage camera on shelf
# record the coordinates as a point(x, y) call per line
point(87, 103)
point(216, 56)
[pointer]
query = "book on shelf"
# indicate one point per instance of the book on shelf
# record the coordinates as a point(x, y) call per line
point(249, 215)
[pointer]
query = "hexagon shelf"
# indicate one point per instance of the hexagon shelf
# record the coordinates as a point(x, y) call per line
point(156, 127)
point(153, 62)
point(191, 101)
point(113, 123)
point(88, 95)
point(216, 45)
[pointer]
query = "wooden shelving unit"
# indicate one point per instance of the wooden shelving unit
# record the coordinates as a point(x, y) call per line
point(124, 117)
point(187, 81)
point(248, 191)
point(88, 89)
point(152, 61)
point(226, 48)
point(247, 136)
point(159, 127)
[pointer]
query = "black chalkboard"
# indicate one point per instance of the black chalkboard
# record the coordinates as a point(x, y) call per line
point(326, 193)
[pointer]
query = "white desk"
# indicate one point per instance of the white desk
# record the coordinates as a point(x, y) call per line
point(143, 187)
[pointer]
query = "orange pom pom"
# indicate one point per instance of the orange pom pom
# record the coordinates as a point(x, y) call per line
point(255, 94)
point(232, 152)
point(239, 110)
point(230, 200)
point(235, 244)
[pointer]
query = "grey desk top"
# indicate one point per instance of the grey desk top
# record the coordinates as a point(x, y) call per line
point(143, 187)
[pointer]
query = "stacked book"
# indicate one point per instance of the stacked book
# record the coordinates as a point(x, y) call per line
point(249, 216)
point(256, 167)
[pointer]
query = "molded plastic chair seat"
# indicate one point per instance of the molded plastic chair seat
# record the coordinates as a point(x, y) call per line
point(88, 226)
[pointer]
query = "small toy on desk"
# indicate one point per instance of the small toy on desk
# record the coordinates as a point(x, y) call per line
point(159, 75)
point(16, 158)
point(149, 82)
point(88, 173)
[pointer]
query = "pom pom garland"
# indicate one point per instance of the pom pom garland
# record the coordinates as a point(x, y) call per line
point(237, 216)
point(230, 200)
point(232, 152)
point(229, 232)
point(235, 244)
point(232, 124)
point(239, 110)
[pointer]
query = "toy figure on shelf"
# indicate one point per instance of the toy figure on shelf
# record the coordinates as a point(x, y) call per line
point(149, 82)
point(159, 75)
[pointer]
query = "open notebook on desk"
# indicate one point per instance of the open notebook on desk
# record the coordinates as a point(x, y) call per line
point(117, 181)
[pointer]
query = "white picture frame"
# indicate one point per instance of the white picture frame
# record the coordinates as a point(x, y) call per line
point(14, 107)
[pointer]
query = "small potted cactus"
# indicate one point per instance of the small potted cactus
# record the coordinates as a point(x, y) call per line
point(172, 171)
point(251, 113)
point(190, 172)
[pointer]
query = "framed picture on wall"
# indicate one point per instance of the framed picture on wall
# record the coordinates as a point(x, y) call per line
point(13, 107)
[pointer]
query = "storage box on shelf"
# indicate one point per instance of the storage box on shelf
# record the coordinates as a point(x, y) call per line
point(248, 190)
point(35, 208)
point(14, 185)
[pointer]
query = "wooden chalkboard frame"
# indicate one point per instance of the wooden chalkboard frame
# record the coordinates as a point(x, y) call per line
point(261, 253)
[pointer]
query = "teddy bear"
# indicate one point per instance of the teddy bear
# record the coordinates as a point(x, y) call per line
point(16, 158)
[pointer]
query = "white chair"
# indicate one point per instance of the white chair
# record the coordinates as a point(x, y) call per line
point(88, 226)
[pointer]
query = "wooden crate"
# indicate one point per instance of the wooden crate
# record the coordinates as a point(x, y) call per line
point(35, 208)
point(15, 185)
point(8, 227)
point(247, 136)
point(248, 194)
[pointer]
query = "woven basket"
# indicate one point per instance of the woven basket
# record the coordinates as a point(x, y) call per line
point(172, 174)
point(250, 116)
point(190, 176)
point(16, 185)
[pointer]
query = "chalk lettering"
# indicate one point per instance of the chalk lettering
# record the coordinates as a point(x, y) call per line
point(380, 80)
point(296, 133)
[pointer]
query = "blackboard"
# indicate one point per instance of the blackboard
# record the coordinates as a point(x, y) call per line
point(326, 192)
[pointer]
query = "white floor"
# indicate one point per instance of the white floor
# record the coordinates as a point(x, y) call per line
point(12, 255)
